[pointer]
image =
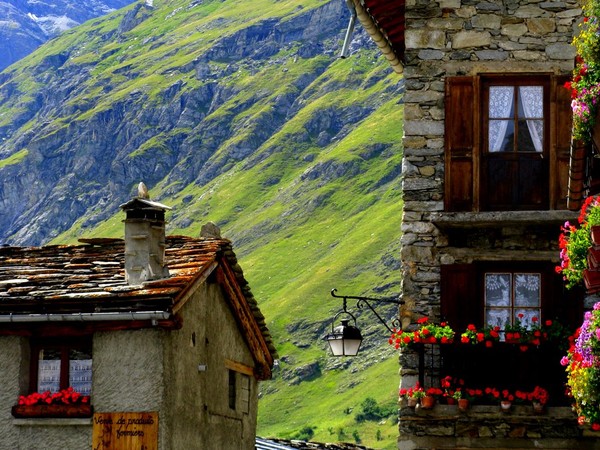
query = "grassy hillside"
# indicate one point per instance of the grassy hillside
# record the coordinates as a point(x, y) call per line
point(294, 153)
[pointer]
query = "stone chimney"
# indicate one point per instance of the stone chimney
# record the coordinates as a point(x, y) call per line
point(144, 239)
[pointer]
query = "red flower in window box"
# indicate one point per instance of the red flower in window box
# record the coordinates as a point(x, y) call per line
point(427, 333)
point(64, 403)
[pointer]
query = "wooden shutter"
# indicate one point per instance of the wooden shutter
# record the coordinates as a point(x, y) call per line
point(460, 302)
point(561, 303)
point(561, 124)
point(460, 114)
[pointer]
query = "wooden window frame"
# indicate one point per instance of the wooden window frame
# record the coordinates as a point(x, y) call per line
point(464, 138)
point(462, 303)
point(64, 345)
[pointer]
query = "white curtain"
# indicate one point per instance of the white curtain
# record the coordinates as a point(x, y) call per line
point(501, 101)
point(532, 100)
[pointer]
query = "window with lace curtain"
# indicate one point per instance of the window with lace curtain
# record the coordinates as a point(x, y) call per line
point(507, 141)
point(515, 150)
point(512, 297)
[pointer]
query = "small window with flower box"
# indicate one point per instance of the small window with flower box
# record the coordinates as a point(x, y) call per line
point(508, 296)
point(60, 379)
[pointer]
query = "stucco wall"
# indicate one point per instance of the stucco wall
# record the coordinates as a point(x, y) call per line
point(149, 370)
point(198, 399)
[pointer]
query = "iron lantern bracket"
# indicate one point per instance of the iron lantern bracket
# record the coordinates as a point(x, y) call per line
point(361, 302)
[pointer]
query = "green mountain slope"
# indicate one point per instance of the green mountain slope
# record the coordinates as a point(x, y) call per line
point(238, 113)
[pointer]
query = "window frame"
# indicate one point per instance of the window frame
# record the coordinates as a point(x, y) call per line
point(512, 306)
point(64, 345)
point(520, 164)
point(462, 303)
point(465, 158)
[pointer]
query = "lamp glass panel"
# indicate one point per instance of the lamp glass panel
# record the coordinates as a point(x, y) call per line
point(336, 345)
point(351, 346)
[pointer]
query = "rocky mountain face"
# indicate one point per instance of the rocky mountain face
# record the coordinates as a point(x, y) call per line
point(25, 25)
point(87, 120)
point(240, 113)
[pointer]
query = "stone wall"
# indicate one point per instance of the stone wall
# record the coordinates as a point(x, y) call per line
point(444, 427)
point(450, 38)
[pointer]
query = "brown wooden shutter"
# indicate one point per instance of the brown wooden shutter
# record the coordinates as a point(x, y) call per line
point(459, 141)
point(460, 302)
point(561, 124)
point(561, 303)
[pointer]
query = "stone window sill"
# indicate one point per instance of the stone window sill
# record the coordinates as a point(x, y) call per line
point(55, 421)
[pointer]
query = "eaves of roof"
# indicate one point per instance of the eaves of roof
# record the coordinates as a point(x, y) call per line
point(384, 20)
point(88, 281)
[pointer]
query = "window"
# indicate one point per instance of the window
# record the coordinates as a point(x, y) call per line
point(511, 297)
point(59, 363)
point(507, 141)
point(492, 293)
point(239, 387)
point(232, 389)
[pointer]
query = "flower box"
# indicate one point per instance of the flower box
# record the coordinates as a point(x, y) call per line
point(49, 411)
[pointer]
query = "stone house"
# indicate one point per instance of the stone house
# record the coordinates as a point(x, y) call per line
point(163, 334)
point(490, 175)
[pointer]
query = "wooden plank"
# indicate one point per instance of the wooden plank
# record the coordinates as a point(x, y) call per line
point(125, 431)
point(239, 367)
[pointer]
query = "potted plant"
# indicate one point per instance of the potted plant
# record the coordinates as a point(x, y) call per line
point(516, 332)
point(538, 398)
point(487, 335)
point(463, 402)
point(574, 242)
point(64, 403)
point(412, 395)
point(427, 333)
point(585, 82)
point(583, 369)
point(430, 398)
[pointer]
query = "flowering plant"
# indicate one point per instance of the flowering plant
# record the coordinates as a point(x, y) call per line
point(583, 369)
point(427, 333)
point(412, 392)
point(64, 397)
point(487, 335)
point(574, 242)
point(506, 395)
point(585, 84)
point(539, 394)
point(434, 392)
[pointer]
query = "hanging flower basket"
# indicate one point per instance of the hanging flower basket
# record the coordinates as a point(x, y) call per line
point(49, 411)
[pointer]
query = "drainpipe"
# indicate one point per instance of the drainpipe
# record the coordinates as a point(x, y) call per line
point(347, 38)
point(86, 317)
point(380, 40)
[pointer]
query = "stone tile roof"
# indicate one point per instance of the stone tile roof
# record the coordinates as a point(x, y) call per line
point(89, 279)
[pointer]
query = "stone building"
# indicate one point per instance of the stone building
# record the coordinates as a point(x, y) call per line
point(163, 335)
point(489, 178)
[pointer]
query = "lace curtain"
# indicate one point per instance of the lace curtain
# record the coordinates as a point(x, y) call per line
point(509, 294)
point(531, 106)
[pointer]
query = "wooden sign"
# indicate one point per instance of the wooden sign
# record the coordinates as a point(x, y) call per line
point(125, 431)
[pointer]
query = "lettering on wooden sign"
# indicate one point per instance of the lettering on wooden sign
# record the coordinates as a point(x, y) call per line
point(125, 431)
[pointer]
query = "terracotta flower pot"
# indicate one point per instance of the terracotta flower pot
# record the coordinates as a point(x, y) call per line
point(538, 408)
point(412, 402)
point(463, 404)
point(428, 402)
point(505, 405)
point(69, 411)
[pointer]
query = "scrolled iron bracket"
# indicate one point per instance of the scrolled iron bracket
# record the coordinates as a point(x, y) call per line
point(361, 302)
